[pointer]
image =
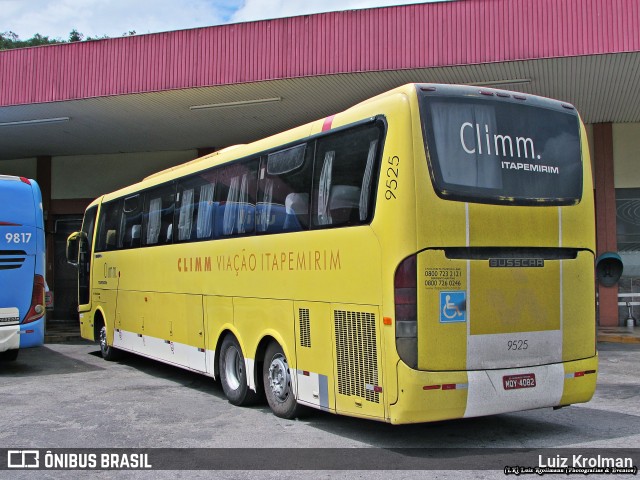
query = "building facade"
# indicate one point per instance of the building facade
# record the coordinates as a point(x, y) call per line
point(87, 118)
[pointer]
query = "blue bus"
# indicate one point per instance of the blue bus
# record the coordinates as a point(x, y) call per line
point(22, 264)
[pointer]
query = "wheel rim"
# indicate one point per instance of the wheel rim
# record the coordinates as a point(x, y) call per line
point(233, 367)
point(279, 378)
point(103, 339)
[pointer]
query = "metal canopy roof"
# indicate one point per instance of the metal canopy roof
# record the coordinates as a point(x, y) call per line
point(602, 81)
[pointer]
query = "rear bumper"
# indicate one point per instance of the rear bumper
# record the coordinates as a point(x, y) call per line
point(9, 337)
point(431, 396)
point(32, 334)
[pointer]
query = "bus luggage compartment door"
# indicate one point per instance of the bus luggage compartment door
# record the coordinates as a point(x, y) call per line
point(500, 310)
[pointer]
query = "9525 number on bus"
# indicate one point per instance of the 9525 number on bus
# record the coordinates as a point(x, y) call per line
point(393, 173)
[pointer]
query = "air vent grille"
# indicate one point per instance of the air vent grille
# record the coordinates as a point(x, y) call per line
point(357, 355)
point(305, 327)
point(11, 259)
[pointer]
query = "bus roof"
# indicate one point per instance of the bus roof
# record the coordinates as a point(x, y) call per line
point(244, 150)
point(19, 200)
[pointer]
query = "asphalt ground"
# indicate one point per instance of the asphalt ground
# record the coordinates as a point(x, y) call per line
point(63, 395)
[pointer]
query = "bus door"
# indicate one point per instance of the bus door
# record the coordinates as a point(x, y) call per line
point(65, 276)
point(80, 254)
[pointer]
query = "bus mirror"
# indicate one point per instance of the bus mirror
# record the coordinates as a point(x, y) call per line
point(608, 269)
point(73, 248)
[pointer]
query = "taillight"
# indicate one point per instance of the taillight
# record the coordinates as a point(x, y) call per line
point(36, 311)
point(405, 298)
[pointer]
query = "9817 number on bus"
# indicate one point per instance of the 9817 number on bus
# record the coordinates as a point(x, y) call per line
point(18, 237)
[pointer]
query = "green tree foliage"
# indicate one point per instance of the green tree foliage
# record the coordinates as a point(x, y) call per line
point(75, 36)
point(9, 39)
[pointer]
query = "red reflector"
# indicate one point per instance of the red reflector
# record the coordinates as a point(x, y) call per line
point(449, 386)
point(327, 123)
point(431, 387)
point(25, 180)
point(579, 374)
point(484, 92)
point(305, 373)
point(377, 389)
point(29, 331)
point(9, 224)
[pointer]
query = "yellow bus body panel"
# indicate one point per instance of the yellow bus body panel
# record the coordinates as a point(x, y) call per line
point(327, 295)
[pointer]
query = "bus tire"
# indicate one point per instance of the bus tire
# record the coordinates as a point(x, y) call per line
point(9, 355)
point(233, 373)
point(108, 352)
point(276, 376)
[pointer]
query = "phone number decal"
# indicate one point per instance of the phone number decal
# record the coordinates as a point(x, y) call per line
point(438, 278)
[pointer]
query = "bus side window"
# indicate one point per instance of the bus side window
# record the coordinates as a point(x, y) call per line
point(283, 190)
point(131, 222)
point(236, 199)
point(157, 224)
point(346, 167)
point(109, 226)
point(195, 208)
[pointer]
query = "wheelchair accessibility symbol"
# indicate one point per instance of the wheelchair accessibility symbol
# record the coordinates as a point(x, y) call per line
point(453, 307)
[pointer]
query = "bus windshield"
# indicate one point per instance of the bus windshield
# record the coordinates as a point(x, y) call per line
point(502, 150)
point(17, 202)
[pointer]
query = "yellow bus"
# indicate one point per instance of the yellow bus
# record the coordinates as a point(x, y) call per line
point(427, 254)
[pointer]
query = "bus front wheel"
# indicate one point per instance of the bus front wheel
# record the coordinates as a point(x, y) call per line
point(277, 383)
point(233, 373)
point(107, 351)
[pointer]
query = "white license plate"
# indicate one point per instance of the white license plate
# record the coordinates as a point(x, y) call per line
point(524, 380)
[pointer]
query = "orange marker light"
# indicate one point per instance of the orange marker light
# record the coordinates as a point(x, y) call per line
point(387, 320)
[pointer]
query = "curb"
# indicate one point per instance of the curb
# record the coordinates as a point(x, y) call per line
point(618, 339)
point(60, 338)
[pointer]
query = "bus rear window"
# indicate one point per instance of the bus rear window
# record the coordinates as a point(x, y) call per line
point(496, 151)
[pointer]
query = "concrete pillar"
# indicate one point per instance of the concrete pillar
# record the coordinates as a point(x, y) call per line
point(605, 200)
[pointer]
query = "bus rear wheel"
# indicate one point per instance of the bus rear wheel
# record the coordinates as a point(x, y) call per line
point(276, 375)
point(233, 373)
point(9, 355)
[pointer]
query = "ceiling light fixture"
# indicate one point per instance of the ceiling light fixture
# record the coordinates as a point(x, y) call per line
point(37, 121)
point(236, 104)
